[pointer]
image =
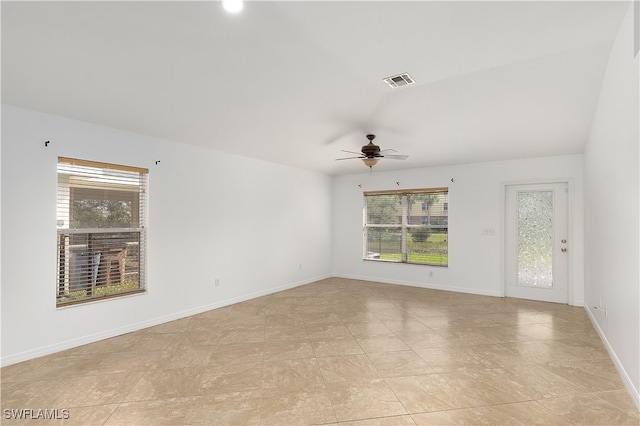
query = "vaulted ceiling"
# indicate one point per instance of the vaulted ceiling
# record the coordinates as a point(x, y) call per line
point(297, 82)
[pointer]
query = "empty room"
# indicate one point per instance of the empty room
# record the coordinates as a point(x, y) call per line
point(320, 212)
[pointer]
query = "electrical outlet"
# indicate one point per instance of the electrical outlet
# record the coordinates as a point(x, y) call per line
point(216, 282)
point(300, 266)
point(430, 274)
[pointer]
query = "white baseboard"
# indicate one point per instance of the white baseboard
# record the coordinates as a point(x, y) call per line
point(92, 338)
point(467, 290)
point(635, 393)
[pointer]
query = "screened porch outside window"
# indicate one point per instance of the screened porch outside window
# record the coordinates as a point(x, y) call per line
point(101, 213)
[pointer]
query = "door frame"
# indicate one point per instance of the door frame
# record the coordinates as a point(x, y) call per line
point(503, 221)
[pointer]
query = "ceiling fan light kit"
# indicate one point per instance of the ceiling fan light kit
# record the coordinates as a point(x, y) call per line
point(370, 162)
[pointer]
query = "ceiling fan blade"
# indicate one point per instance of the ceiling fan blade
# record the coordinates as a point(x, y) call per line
point(349, 158)
point(388, 150)
point(396, 157)
point(351, 152)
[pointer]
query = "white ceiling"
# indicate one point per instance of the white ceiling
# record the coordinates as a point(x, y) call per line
point(297, 82)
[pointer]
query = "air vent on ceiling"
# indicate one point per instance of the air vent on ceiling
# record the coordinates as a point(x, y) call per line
point(399, 80)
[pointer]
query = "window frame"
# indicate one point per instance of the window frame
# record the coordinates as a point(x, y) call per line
point(100, 253)
point(405, 228)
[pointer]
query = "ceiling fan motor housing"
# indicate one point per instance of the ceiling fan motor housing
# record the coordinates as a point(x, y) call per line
point(370, 150)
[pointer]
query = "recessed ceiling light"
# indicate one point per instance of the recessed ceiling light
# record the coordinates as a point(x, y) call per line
point(233, 6)
point(399, 80)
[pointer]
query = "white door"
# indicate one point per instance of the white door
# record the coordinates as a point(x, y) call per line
point(537, 242)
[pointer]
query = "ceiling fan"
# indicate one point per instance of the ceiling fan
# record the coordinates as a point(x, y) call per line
point(370, 153)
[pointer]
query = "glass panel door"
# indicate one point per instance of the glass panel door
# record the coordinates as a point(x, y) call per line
point(536, 223)
point(535, 238)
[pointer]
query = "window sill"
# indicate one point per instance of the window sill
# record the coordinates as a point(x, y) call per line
point(100, 298)
point(433, 265)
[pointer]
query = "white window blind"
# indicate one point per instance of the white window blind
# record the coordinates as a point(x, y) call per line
point(101, 217)
point(408, 226)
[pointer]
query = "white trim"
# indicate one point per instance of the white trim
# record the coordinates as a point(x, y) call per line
point(69, 344)
point(635, 393)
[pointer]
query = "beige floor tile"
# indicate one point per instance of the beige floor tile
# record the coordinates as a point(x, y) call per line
point(242, 334)
point(502, 334)
point(409, 325)
point(196, 338)
point(382, 421)
point(389, 314)
point(442, 391)
point(348, 368)
point(124, 362)
point(300, 407)
point(463, 336)
point(231, 355)
point(423, 340)
point(621, 400)
point(167, 384)
point(542, 332)
point(238, 408)
point(185, 356)
point(326, 331)
point(494, 356)
point(336, 346)
point(453, 358)
point(311, 318)
point(292, 374)
point(176, 326)
point(284, 320)
point(353, 351)
point(285, 334)
point(364, 399)
point(465, 416)
point(369, 328)
point(590, 375)
point(93, 415)
point(157, 412)
point(520, 413)
point(64, 367)
point(25, 371)
point(382, 343)
point(212, 326)
point(39, 394)
point(152, 342)
point(287, 350)
point(525, 382)
point(98, 390)
point(587, 409)
point(361, 316)
point(217, 379)
point(400, 363)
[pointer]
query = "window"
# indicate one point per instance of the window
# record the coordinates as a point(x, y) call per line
point(101, 211)
point(409, 226)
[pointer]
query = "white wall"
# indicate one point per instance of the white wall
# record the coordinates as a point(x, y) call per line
point(476, 201)
point(212, 215)
point(612, 239)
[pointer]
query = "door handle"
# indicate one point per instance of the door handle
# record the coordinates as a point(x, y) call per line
point(563, 249)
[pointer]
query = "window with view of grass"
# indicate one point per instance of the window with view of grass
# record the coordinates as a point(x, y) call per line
point(101, 214)
point(407, 226)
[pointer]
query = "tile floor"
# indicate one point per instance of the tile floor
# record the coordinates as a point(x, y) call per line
point(338, 352)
